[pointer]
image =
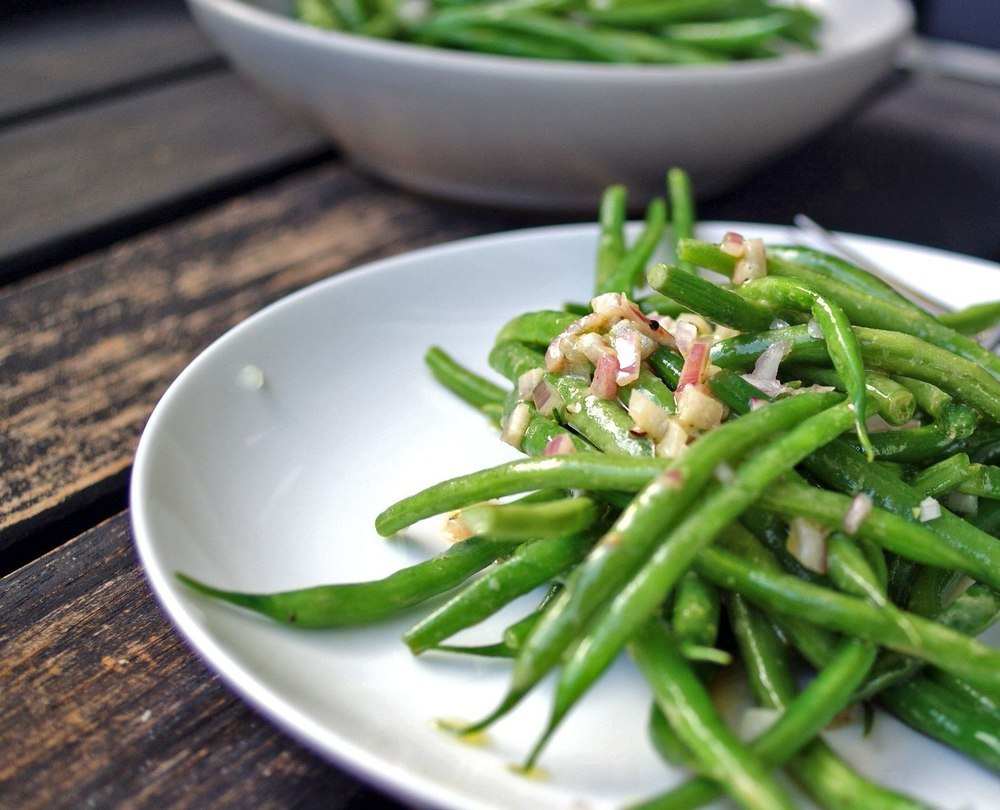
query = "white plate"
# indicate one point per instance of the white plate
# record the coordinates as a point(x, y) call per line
point(277, 487)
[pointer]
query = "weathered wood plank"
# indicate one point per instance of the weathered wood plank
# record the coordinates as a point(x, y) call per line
point(99, 167)
point(59, 54)
point(104, 706)
point(86, 351)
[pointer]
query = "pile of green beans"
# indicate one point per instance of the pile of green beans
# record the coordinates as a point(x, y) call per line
point(614, 31)
point(878, 438)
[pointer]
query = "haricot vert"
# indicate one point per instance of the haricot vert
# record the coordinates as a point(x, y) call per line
point(794, 472)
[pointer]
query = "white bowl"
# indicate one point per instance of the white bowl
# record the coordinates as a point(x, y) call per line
point(540, 134)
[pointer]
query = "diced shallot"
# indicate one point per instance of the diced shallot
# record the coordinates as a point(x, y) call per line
point(861, 506)
point(628, 350)
point(528, 381)
point(649, 417)
point(733, 244)
point(546, 398)
point(695, 364)
point(697, 409)
point(928, 510)
point(753, 263)
point(604, 384)
point(807, 544)
point(559, 445)
point(516, 424)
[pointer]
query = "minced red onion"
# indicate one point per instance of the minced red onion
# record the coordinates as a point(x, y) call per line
point(695, 363)
point(733, 244)
point(961, 502)
point(628, 349)
point(604, 384)
point(861, 506)
point(546, 398)
point(766, 367)
point(559, 445)
point(813, 329)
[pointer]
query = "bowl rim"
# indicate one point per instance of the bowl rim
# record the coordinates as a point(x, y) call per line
point(898, 24)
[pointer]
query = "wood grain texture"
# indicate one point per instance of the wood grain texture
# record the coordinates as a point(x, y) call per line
point(101, 166)
point(63, 54)
point(86, 351)
point(104, 706)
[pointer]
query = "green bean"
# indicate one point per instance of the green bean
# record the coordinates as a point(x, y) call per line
point(841, 342)
point(734, 37)
point(693, 716)
point(682, 212)
point(530, 521)
point(973, 553)
point(359, 602)
point(529, 566)
point(658, 12)
point(536, 328)
point(512, 358)
point(472, 388)
point(891, 351)
point(941, 713)
point(627, 273)
point(696, 610)
point(591, 471)
point(540, 432)
point(939, 478)
point(666, 742)
point(492, 40)
point(894, 402)
point(636, 532)
point(974, 318)
point(603, 422)
point(709, 300)
point(611, 237)
point(915, 636)
point(970, 613)
point(861, 309)
point(981, 702)
point(650, 586)
point(983, 481)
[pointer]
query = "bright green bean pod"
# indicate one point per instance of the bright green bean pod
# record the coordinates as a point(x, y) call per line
point(651, 585)
point(694, 617)
point(528, 567)
point(939, 478)
point(841, 342)
point(530, 521)
point(682, 211)
point(629, 271)
point(360, 602)
point(973, 319)
point(917, 636)
point(944, 715)
point(693, 716)
point(894, 402)
point(536, 328)
point(973, 553)
point(590, 471)
point(611, 237)
point(466, 384)
point(636, 532)
point(864, 310)
point(540, 432)
point(970, 613)
point(512, 358)
point(709, 300)
point(603, 422)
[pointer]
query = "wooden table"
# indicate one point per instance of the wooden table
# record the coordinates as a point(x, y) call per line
point(150, 200)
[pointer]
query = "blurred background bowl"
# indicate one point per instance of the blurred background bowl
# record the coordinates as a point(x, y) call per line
point(542, 134)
